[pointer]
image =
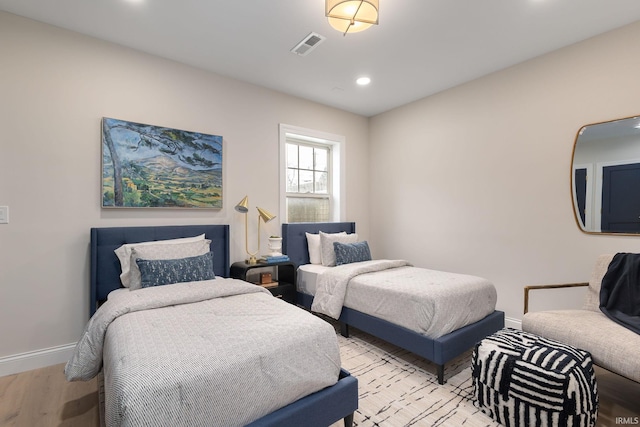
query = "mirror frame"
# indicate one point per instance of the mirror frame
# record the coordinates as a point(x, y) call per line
point(591, 170)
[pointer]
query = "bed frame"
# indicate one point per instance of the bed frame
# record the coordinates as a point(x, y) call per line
point(318, 409)
point(440, 350)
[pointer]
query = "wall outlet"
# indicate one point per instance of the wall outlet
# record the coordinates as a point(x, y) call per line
point(4, 214)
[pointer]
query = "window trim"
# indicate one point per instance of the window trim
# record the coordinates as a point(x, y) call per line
point(337, 179)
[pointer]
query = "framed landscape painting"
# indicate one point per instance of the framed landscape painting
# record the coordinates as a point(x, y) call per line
point(146, 166)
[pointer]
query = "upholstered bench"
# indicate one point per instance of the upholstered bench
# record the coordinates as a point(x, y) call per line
point(521, 379)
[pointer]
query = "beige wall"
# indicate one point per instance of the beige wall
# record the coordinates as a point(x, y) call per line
point(476, 178)
point(55, 87)
point(472, 180)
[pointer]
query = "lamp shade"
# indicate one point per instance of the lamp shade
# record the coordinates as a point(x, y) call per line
point(265, 215)
point(351, 16)
point(243, 205)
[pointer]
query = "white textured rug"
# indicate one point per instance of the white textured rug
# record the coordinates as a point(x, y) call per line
point(399, 388)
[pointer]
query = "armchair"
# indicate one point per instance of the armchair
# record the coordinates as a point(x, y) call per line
point(612, 346)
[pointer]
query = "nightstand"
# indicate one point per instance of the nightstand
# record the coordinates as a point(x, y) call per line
point(283, 274)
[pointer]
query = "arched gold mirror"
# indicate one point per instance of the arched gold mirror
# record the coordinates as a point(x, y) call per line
point(605, 177)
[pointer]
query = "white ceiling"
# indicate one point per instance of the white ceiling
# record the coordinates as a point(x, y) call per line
point(420, 47)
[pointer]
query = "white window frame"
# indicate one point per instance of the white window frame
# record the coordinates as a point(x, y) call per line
point(337, 178)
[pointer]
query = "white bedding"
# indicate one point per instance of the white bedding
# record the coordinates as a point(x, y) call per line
point(219, 352)
point(430, 302)
point(307, 277)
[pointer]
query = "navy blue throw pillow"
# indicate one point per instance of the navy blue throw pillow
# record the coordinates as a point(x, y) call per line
point(167, 271)
point(347, 253)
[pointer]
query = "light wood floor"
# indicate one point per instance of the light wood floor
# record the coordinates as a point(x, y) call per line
point(43, 397)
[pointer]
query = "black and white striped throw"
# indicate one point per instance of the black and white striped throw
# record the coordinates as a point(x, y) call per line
point(521, 379)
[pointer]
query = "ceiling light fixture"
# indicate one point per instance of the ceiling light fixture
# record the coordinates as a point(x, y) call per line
point(363, 81)
point(351, 16)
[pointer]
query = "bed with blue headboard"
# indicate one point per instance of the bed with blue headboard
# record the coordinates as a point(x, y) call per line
point(323, 407)
point(439, 350)
point(105, 266)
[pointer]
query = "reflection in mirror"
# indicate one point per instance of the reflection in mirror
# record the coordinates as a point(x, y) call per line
point(605, 177)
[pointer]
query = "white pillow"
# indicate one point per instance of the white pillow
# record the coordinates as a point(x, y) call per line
point(313, 241)
point(327, 252)
point(156, 252)
point(124, 253)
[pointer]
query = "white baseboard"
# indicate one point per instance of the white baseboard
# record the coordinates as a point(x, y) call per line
point(17, 363)
point(510, 322)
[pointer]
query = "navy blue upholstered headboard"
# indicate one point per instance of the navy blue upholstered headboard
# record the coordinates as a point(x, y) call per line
point(294, 239)
point(105, 267)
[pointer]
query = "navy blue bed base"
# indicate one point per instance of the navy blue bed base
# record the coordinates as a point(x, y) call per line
point(318, 409)
point(440, 350)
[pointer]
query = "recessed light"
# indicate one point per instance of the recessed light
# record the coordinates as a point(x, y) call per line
point(363, 81)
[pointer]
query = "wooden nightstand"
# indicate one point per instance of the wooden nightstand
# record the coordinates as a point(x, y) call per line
point(282, 273)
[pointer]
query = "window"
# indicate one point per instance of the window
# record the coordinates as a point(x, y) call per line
point(308, 168)
point(310, 175)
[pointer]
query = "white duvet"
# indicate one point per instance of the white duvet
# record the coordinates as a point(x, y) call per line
point(430, 302)
point(218, 352)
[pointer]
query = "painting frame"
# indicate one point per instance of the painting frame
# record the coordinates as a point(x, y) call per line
point(149, 166)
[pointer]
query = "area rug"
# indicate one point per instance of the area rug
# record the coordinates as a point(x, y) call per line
point(397, 388)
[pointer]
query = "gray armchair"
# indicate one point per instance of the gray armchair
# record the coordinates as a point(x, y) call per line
point(611, 345)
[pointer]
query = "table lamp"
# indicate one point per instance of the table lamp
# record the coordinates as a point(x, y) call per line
point(243, 207)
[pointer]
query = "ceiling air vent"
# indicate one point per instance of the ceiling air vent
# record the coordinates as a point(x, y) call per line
point(308, 44)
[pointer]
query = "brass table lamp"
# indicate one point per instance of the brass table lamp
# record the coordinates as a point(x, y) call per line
point(243, 207)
